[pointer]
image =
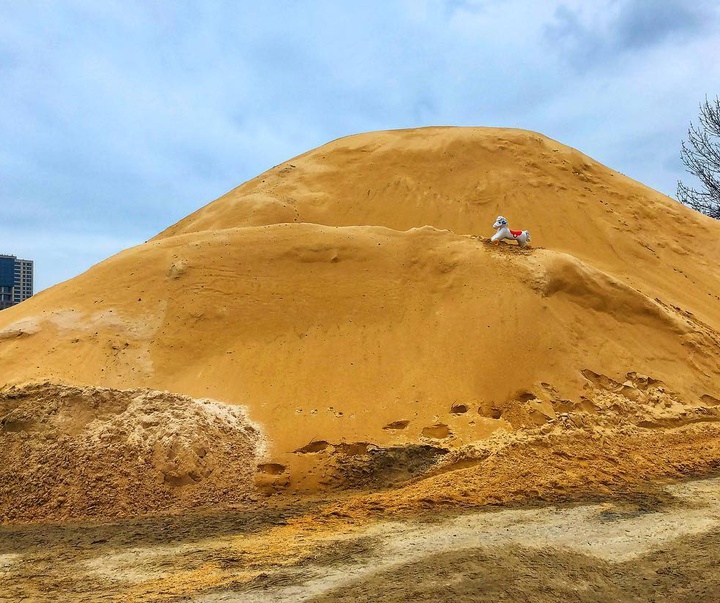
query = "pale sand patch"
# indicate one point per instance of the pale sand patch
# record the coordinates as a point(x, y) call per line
point(136, 565)
point(8, 560)
point(25, 326)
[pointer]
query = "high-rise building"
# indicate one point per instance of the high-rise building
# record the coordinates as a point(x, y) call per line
point(16, 280)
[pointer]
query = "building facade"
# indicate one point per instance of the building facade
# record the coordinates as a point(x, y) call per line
point(16, 280)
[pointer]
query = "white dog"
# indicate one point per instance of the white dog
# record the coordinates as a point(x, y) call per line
point(504, 232)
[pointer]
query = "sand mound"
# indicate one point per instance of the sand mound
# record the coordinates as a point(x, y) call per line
point(351, 301)
point(69, 452)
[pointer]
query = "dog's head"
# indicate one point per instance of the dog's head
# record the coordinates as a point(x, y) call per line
point(500, 222)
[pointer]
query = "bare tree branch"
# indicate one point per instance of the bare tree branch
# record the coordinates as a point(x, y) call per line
point(701, 156)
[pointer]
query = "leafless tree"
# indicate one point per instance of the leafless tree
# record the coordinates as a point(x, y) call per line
point(701, 156)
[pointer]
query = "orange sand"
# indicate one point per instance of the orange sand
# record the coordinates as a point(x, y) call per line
point(87, 452)
point(350, 300)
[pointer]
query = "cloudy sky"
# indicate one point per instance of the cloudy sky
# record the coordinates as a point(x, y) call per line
point(118, 118)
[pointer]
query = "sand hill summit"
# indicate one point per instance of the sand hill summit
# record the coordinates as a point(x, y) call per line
point(349, 310)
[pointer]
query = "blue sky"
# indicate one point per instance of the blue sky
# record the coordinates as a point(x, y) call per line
point(118, 118)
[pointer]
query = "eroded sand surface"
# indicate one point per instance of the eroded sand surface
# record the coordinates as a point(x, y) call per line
point(74, 452)
point(656, 544)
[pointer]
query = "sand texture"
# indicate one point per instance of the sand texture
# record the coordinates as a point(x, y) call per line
point(349, 300)
point(660, 545)
point(72, 452)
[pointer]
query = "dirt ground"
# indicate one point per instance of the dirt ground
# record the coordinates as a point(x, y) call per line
point(617, 499)
point(659, 543)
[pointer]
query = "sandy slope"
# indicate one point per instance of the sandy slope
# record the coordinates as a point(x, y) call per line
point(348, 299)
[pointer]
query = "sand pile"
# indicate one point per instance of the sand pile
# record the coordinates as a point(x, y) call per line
point(617, 436)
point(351, 301)
point(70, 452)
